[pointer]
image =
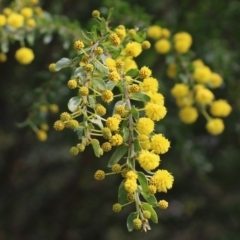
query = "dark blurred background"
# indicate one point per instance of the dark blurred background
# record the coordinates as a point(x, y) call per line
point(47, 194)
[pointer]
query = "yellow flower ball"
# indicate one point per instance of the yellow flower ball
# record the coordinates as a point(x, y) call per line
point(3, 57)
point(114, 76)
point(121, 32)
point(130, 185)
point(149, 84)
point(154, 32)
point(220, 108)
point(112, 123)
point(162, 46)
point(157, 98)
point(145, 72)
point(188, 115)
point(110, 62)
point(24, 55)
point(131, 175)
point(159, 144)
point(31, 22)
point(3, 20)
point(215, 80)
point(133, 49)
point(7, 11)
point(15, 20)
point(215, 126)
point(204, 96)
point(129, 64)
point(163, 204)
point(179, 90)
point(146, 44)
point(148, 160)
point(27, 12)
point(165, 33)
point(185, 101)
point(202, 74)
point(41, 135)
point(145, 126)
point(144, 141)
point(155, 111)
point(198, 63)
point(182, 42)
point(114, 39)
point(107, 96)
point(116, 140)
point(172, 70)
point(162, 180)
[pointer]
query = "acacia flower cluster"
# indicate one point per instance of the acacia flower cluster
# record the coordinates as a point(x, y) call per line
point(105, 74)
point(195, 81)
point(16, 21)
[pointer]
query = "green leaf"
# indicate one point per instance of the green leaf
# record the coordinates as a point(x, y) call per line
point(130, 219)
point(98, 121)
point(116, 52)
point(117, 155)
point(122, 194)
point(132, 72)
point(110, 85)
point(73, 103)
point(101, 68)
point(94, 33)
point(96, 147)
point(86, 38)
point(183, 78)
point(135, 113)
point(91, 101)
point(30, 38)
point(150, 199)
point(143, 181)
point(5, 46)
point(98, 83)
point(137, 38)
point(80, 131)
point(137, 146)
point(110, 12)
point(62, 63)
point(143, 97)
point(78, 73)
point(125, 134)
point(149, 208)
point(130, 162)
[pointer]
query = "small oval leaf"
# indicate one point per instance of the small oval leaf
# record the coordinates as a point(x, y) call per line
point(143, 181)
point(149, 208)
point(122, 194)
point(118, 154)
point(143, 97)
point(62, 63)
point(73, 103)
point(130, 219)
point(132, 72)
point(150, 199)
point(135, 113)
point(96, 147)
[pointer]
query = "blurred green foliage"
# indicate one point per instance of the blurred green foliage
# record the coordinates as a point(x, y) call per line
point(47, 194)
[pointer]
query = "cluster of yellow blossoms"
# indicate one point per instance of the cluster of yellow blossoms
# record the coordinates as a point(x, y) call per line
point(22, 15)
point(194, 93)
point(105, 72)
